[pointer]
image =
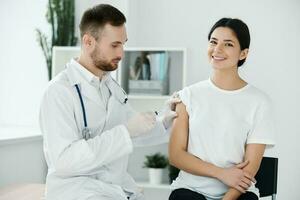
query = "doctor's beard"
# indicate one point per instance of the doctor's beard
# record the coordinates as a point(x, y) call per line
point(103, 64)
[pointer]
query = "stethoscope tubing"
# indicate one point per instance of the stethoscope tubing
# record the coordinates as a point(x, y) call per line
point(82, 106)
point(86, 131)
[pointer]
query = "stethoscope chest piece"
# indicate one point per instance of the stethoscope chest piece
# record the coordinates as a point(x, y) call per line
point(86, 133)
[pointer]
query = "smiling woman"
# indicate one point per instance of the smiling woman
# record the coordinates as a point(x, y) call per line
point(216, 141)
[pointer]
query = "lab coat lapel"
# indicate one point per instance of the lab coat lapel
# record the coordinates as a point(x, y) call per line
point(86, 89)
point(116, 90)
point(91, 93)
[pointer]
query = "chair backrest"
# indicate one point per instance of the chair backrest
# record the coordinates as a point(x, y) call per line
point(266, 177)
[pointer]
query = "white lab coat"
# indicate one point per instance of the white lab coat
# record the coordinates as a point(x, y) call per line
point(96, 168)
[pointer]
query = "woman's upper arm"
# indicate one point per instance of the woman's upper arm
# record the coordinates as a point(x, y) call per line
point(179, 133)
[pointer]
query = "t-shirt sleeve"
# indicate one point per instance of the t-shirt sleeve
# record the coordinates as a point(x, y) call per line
point(185, 96)
point(263, 131)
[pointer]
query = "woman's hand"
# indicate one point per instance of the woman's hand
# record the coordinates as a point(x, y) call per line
point(236, 178)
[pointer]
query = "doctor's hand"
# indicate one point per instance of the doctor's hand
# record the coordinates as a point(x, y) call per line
point(173, 101)
point(141, 123)
point(168, 114)
point(236, 178)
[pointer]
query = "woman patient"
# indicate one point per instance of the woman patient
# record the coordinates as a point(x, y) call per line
point(223, 126)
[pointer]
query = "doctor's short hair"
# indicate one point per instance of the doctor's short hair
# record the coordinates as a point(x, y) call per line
point(239, 28)
point(97, 17)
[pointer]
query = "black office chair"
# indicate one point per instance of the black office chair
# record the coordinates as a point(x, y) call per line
point(266, 177)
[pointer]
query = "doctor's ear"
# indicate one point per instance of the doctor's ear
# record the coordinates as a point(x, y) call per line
point(88, 40)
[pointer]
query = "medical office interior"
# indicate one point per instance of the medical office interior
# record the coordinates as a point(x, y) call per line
point(177, 30)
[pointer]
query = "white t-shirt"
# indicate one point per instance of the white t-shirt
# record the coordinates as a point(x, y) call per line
point(221, 123)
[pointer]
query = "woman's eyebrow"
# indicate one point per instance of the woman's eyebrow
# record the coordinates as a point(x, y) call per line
point(228, 40)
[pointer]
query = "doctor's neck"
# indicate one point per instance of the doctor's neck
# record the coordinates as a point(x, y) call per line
point(89, 65)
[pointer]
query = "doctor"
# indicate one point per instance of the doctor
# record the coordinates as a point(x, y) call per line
point(88, 126)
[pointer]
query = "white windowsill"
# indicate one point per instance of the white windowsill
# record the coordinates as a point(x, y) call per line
point(15, 133)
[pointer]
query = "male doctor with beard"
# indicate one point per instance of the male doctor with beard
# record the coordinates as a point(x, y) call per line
point(88, 126)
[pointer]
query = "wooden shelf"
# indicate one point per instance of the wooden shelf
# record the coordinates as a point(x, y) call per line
point(174, 79)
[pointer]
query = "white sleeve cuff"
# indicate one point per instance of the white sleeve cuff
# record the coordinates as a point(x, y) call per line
point(268, 143)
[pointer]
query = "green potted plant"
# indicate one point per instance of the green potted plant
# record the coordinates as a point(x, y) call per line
point(60, 15)
point(156, 163)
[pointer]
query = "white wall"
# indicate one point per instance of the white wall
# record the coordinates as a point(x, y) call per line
point(22, 162)
point(23, 72)
point(272, 64)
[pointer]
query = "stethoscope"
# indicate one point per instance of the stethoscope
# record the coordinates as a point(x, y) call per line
point(86, 132)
